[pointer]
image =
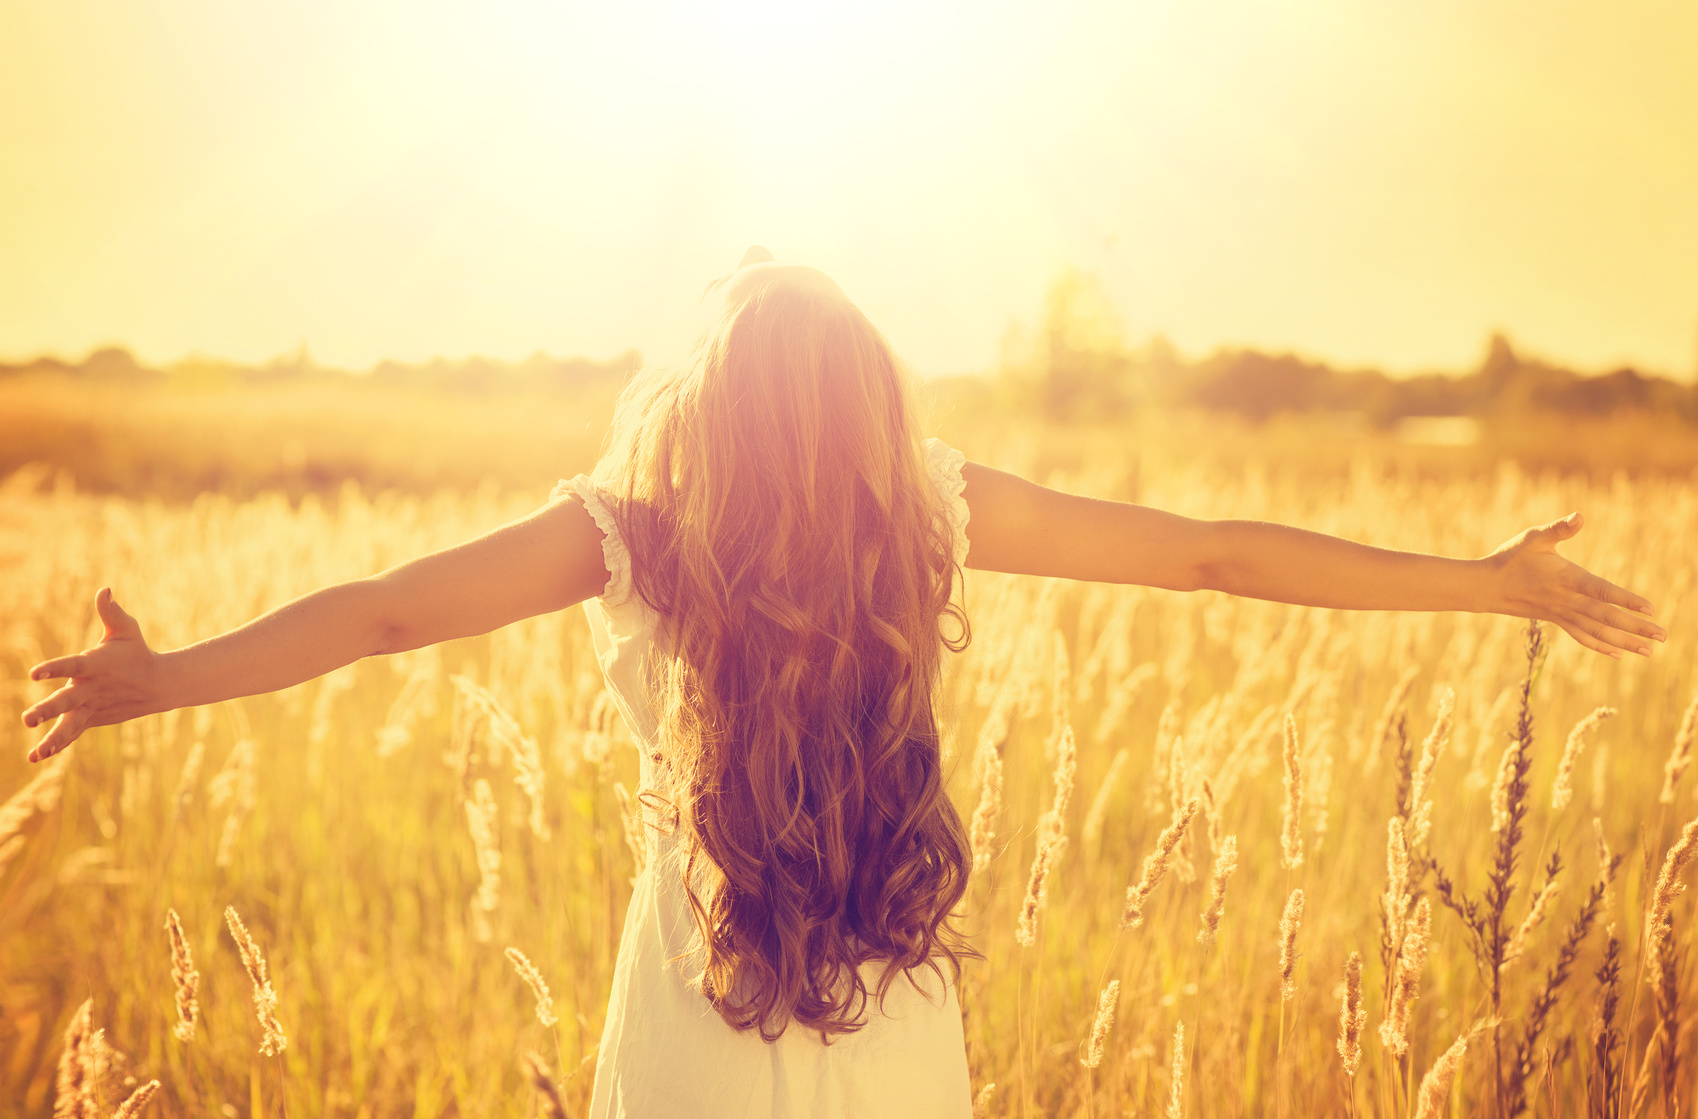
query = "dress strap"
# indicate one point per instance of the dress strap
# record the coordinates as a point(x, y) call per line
point(944, 463)
point(613, 551)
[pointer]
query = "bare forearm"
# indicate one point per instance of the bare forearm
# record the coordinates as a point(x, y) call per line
point(297, 641)
point(1271, 561)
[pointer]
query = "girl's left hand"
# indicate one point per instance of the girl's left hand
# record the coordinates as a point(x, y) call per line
point(1534, 582)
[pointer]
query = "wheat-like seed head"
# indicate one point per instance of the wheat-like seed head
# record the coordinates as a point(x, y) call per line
point(1351, 1016)
point(1396, 900)
point(1435, 1086)
point(990, 786)
point(74, 1088)
point(1421, 788)
point(1100, 1024)
point(1155, 865)
point(1052, 841)
point(981, 1102)
point(1659, 928)
point(1535, 917)
point(1226, 861)
point(1176, 1094)
point(481, 820)
point(185, 977)
point(1289, 922)
point(1291, 834)
point(1562, 788)
point(1406, 981)
point(1681, 756)
point(533, 979)
point(138, 1099)
point(1098, 812)
point(274, 1040)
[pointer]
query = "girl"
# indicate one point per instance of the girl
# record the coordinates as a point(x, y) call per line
point(767, 554)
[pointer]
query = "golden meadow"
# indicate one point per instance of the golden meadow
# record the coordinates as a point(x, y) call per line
point(388, 832)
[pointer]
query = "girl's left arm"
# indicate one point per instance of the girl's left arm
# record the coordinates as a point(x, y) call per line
point(538, 564)
point(1018, 526)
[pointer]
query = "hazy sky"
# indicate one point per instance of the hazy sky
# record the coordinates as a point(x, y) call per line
point(1367, 181)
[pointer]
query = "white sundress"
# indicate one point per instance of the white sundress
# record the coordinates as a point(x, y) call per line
point(665, 1051)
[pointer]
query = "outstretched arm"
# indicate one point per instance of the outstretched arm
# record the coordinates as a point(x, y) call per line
point(1018, 526)
point(541, 563)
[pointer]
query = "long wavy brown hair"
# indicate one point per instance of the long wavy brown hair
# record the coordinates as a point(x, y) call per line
point(781, 520)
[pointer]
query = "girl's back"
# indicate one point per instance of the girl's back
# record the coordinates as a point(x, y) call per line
point(780, 552)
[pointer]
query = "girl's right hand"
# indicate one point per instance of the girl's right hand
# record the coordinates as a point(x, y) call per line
point(116, 680)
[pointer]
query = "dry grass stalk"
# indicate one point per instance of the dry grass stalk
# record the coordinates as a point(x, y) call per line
point(1351, 1016)
point(1052, 841)
point(981, 1102)
point(1535, 915)
point(236, 785)
point(1659, 928)
point(1421, 788)
point(1289, 922)
point(1395, 902)
point(265, 999)
point(1562, 789)
point(1434, 1096)
point(481, 820)
point(185, 977)
point(1382, 727)
point(1101, 1023)
point(1606, 1036)
point(75, 1086)
point(553, 1107)
point(1155, 866)
point(1176, 1094)
point(1406, 983)
point(1098, 812)
point(1291, 834)
point(1120, 701)
point(533, 979)
point(1226, 861)
point(137, 1100)
point(1179, 785)
point(41, 795)
point(1681, 756)
point(991, 738)
point(1662, 965)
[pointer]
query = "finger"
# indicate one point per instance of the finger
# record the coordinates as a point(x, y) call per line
point(75, 665)
point(118, 623)
point(61, 701)
point(1562, 529)
point(1607, 591)
point(1586, 639)
point(64, 732)
point(1609, 635)
point(1624, 620)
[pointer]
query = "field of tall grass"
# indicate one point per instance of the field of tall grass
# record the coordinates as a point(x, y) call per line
point(1235, 858)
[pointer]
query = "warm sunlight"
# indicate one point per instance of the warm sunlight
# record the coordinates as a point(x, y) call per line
point(387, 179)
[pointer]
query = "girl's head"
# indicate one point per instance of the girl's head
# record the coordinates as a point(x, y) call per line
point(782, 523)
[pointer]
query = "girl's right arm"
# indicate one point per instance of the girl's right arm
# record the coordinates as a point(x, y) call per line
point(1018, 526)
point(541, 563)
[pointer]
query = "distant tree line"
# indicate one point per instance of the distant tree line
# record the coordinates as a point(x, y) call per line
point(1077, 365)
point(470, 375)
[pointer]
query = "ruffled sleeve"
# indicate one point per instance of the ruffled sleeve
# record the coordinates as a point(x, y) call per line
point(613, 551)
point(944, 463)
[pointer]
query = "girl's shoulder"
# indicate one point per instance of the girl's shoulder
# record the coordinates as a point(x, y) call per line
point(615, 555)
point(943, 465)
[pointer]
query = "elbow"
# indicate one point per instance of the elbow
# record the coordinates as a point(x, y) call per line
point(387, 630)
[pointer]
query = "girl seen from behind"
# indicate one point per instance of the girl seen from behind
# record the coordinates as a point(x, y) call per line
point(769, 555)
